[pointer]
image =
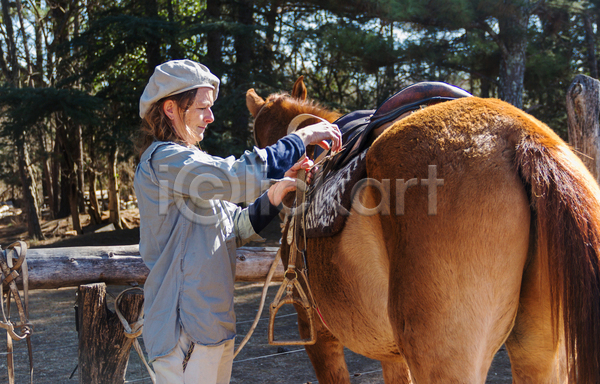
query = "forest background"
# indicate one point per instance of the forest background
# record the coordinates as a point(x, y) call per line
point(72, 72)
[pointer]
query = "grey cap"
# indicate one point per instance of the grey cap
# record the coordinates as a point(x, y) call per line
point(174, 77)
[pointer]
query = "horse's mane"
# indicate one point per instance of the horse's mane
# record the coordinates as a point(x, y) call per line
point(296, 106)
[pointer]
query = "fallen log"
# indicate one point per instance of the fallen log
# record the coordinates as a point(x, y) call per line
point(122, 265)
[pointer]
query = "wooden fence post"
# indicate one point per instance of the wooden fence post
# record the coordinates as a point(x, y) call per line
point(583, 110)
point(103, 347)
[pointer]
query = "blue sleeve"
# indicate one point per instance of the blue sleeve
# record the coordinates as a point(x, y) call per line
point(283, 154)
point(261, 212)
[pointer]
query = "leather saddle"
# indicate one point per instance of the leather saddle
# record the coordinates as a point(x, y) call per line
point(357, 127)
point(330, 197)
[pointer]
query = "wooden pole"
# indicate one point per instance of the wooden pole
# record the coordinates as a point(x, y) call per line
point(121, 265)
point(103, 347)
point(583, 110)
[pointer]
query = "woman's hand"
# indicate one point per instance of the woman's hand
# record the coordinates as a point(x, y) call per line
point(304, 163)
point(278, 190)
point(317, 134)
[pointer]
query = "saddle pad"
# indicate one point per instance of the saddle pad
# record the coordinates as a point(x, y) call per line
point(329, 202)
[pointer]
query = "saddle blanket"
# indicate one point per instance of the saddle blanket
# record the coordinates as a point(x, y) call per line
point(329, 201)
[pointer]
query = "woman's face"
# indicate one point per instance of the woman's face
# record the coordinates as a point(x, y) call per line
point(197, 117)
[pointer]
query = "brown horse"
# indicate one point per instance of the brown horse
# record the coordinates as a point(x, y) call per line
point(511, 256)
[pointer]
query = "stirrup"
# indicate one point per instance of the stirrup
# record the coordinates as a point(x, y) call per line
point(288, 286)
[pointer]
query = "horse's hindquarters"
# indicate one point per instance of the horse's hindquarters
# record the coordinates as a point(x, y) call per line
point(458, 250)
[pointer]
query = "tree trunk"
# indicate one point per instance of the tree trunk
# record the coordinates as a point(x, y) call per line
point(3, 64)
point(102, 198)
point(65, 192)
point(213, 38)
point(55, 203)
point(11, 44)
point(69, 180)
point(94, 207)
point(29, 193)
point(80, 170)
point(69, 195)
point(485, 87)
point(103, 347)
point(268, 57)
point(113, 190)
point(153, 57)
point(583, 112)
point(39, 50)
point(25, 44)
point(590, 39)
point(73, 205)
point(513, 37)
point(243, 43)
point(47, 184)
point(242, 73)
point(46, 176)
point(175, 51)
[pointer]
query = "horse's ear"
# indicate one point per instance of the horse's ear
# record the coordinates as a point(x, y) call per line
point(254, 102)
point(299, 90)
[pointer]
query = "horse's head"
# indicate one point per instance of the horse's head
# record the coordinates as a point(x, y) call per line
point(273, 115)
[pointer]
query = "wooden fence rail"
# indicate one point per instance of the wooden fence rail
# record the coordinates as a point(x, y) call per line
point(120, 265)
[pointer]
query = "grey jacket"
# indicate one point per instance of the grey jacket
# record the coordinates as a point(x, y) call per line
point(189, 231)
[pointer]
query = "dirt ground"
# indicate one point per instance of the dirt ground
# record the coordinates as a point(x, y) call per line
point(55, 338)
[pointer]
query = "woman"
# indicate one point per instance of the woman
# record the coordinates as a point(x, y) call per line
point(190, 223)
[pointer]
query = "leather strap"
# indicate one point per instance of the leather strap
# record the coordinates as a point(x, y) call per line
point(9, 266)
point(291, 282)
point(134, 330)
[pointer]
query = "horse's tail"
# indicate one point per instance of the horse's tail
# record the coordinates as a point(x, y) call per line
point(566, 209)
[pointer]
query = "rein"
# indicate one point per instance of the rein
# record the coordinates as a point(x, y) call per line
point(262, 302)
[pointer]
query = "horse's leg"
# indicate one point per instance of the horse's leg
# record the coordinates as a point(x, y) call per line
point(534, 350)
point(395, 372)
point(327, 354)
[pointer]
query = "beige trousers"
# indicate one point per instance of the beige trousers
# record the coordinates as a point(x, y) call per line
point(207, 365)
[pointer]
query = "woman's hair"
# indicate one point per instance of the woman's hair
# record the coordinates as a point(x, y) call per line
point(156, 125)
